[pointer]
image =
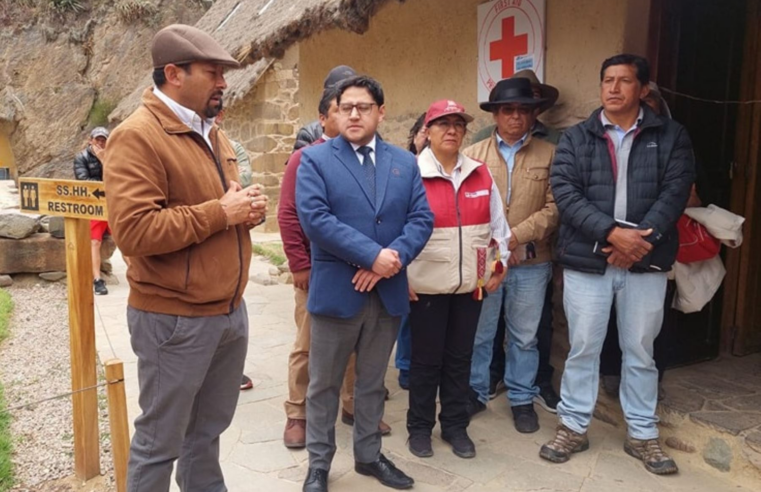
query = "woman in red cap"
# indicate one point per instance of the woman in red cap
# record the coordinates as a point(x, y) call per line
point(465, 258)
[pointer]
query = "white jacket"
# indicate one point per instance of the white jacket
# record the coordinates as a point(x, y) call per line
point(697, 282)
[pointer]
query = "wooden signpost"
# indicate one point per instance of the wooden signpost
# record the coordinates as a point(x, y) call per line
point(77, 201)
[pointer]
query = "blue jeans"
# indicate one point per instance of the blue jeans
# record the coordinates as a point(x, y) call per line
point(404, 345)
point(587, 300)
point(522, 293)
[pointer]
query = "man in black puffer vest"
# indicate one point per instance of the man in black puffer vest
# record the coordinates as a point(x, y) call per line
point(621, 180)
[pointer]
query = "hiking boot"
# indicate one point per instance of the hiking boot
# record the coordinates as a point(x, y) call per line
point(348, 419)
point(420, 445)
point(295, 435)
point(563, 444)
point(462, 445)
point(99, 287)
point(649, 451)
point(246, 383)
point(547, 398)
point(525, 419)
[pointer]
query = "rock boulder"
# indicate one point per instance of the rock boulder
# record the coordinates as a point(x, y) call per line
point(35, 254)
point(15, 225)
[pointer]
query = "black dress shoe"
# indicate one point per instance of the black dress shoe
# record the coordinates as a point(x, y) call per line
point(525, 419)
point(385, 472)
point(317, 481)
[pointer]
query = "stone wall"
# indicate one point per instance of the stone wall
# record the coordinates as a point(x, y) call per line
point(266, 122)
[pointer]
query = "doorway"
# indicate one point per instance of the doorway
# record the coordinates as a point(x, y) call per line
point(704, 51)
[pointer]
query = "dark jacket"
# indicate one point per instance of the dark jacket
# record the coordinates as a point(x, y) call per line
point(308, 134)
point(87, 167)
point(660, 173)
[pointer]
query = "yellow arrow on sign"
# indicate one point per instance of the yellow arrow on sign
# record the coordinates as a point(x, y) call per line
point(64, 197)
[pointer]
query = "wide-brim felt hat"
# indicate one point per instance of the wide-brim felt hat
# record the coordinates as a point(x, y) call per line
point(546, 91)
point(512, 91)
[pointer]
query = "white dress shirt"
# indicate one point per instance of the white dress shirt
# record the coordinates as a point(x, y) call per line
point(201, 126)
point(360, 157)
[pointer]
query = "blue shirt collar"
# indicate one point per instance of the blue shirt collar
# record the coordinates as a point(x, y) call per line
point(517, 145)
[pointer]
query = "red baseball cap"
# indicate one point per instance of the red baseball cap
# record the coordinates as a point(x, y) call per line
point(446, 107)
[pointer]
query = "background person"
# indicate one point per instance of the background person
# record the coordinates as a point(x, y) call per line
point(416, 142)
point(621, 180)
point(445, 288)
point(520, 165)
point(362, 204)
point(88, 166)
point(298, 252)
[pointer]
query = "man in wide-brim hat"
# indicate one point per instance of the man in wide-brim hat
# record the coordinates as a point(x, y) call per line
point(520, 165)
point(549, 96)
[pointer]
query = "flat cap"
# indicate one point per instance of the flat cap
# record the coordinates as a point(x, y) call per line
point(179, 43)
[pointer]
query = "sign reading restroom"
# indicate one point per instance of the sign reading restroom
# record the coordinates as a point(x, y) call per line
point(67, 198)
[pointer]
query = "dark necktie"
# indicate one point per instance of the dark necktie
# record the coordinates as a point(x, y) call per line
point(369, 168)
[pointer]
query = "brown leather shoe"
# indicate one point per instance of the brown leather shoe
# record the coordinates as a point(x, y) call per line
point(348, 419)
point(295, 435)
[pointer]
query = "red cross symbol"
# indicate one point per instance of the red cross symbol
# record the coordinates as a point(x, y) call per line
point(507, 48)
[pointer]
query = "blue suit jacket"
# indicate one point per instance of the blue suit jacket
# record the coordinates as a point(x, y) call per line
point(347, 232)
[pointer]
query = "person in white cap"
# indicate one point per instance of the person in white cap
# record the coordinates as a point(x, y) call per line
point(88, 167)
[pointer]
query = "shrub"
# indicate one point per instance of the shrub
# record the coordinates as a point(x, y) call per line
point(99, 112)
point(72, 5)
point(133, 10)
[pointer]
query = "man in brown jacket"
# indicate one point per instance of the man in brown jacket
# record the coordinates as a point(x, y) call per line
point(520, 165)
point(177, 210)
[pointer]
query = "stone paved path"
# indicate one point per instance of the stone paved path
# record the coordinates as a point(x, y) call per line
point(254, 459)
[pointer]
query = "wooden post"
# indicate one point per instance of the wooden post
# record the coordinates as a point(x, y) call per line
point(82, 346)
point(117, 416)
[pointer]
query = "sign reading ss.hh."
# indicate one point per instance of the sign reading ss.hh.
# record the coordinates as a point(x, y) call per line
point(511, 38)
point(68, 198)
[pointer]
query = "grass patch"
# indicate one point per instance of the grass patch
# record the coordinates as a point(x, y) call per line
point(272, 251)
point(6, 447)
point(99, 112)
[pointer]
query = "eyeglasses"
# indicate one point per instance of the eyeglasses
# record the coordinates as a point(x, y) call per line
point(522, 110)
point(445, 125)
point(363, 109)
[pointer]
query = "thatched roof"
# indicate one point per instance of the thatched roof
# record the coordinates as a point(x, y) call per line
point(258, 31)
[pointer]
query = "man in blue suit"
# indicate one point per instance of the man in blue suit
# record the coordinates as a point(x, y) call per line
point(362, 204)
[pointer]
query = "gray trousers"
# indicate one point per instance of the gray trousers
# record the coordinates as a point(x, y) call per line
point(189, 371)
point(372, 334)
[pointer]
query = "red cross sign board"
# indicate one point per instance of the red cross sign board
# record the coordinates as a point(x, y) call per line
point(511, 36)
